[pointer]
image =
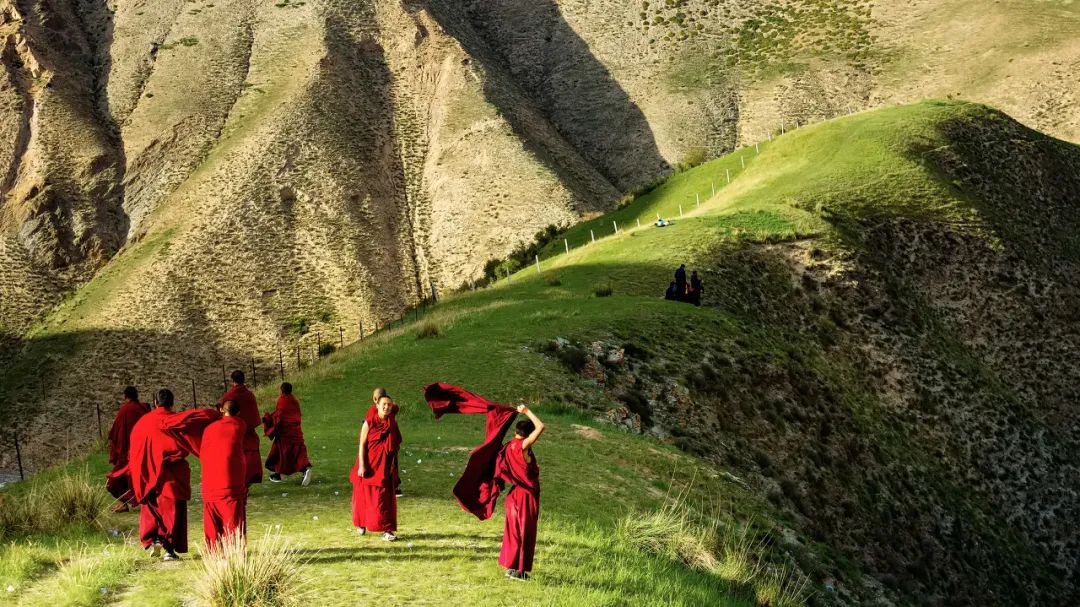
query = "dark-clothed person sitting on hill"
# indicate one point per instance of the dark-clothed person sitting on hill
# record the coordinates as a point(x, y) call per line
point(670, 293)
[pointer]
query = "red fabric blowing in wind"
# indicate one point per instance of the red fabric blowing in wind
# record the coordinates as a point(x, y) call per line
point(477, 490)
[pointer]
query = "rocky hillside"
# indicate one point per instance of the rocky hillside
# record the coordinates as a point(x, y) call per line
point(897, 382)
point(209, 182)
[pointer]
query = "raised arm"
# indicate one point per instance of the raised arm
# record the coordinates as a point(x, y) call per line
point(531, 438)
point(363, 445)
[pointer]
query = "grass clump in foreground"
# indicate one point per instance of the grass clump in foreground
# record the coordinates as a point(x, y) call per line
point(266, 574)
point(703, 543)
point(69, 500)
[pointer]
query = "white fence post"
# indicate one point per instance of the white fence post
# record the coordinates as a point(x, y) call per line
point(537, 264)
point(616, 226)
point(566, 244)
point(680, 211)
point(713, 187)
point(742, 160)
point(592, 236)
point(639, 222)
point(697, 198)
point(728, 171)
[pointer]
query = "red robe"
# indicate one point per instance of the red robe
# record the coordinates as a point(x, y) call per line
point(249, 412)
point(288, 454)
point(160, 475)
point(118, 481)
point(374, 504)
point(477, 490)
point(518, 470)
point(224, 479)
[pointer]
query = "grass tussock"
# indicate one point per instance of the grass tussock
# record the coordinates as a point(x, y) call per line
point(428, 329)
point(54, 504)
point(729, 553)
point(603, 290)
point(552, 281)
point(266, 574)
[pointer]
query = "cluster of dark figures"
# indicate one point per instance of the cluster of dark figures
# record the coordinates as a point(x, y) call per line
point(681, 290)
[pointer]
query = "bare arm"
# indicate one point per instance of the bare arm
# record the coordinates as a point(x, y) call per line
point(363, 444)
point(531, 438)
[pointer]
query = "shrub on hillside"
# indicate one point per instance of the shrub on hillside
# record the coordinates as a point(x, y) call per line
point(604, 290)
point(674, 532)
point(427, 330)
point(520, 256)
point(266, 574)
point(327, 349)
point(52, 505)
point(552, 281)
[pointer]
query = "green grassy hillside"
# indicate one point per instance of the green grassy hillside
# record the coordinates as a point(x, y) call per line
point(767, 408)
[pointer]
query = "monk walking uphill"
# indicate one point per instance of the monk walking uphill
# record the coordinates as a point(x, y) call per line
point(160, 475)
point(224, 476)
point(374, 505)
point(118, 481)
point(288, 453)
point(516, 468)
point(249, 412)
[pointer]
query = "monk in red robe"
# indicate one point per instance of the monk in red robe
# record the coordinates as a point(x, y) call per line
point(249, 412)
point(224, 475)
point(374, 504)
point(160, 475)
point(375, 396)
point(288, 454)
point(516, 468)
point(118, 481)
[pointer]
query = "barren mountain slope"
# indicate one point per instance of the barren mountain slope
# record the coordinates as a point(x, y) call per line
point(244, 176)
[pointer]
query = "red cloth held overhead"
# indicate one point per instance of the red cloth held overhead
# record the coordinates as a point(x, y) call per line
point(374, 502)
point(118, 480)
point(518, 469)
point(477, 490)
point(249, 412)
point(224, 478)
point(288, 453)
point(160, 475)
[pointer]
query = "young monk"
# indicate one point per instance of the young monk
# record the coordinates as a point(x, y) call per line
point(118, 481)
point(374, 503)
point(160, 480)
point(288, 454)
point(375, 396)
point(249, 412)
point(224, 475)
point(516, 468)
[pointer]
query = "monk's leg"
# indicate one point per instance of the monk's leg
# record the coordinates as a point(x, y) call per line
point(149, 524)
point(212, 524)
point(513, 532)
point(358, 506)
point(253, 466)
point(530, 511)
point(174, 520)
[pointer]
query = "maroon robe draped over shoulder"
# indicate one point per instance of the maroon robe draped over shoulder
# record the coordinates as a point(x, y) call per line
point(118, 480)
point(477, 490)
point(249, 412)
point(224, 479)
point(516, 468)
point(160, 475)
point(288, 453)
point(374, 503)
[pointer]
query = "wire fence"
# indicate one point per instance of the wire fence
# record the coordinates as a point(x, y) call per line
point(27, 451)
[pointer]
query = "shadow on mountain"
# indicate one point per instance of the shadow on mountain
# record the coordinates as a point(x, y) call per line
point(535, 59)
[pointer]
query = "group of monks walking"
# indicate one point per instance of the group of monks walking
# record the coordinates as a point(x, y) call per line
point(149, 447)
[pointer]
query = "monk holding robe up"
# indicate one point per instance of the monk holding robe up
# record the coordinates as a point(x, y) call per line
point(249, 412)
point(118, 481)
point(288, 454)
point(374, 504)
point(160, 475)
point(516, 468)
point(224, 476)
